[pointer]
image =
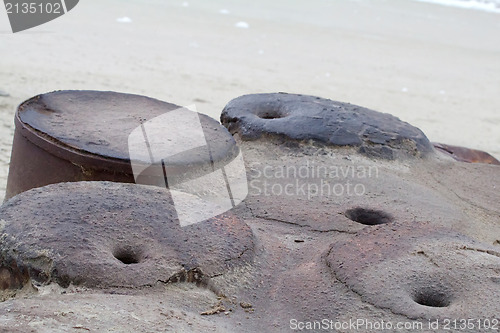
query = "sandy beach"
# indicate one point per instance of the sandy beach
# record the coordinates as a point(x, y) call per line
point(433, 66)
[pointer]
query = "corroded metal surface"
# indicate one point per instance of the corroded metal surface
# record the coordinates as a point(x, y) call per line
point(466, 154)
point(83, 135)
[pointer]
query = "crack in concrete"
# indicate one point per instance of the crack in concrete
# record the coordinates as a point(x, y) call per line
point(299, 225)
point(279, 220)
point(239, 255)
point(468, 201)
point(490, 252)
point(422, 253)
point(335, 230)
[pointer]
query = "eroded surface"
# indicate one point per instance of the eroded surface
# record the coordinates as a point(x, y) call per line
point(304, 118)
point(325, 233)
point(115, 235)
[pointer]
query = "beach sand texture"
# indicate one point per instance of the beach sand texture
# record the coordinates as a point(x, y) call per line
point(436, 67)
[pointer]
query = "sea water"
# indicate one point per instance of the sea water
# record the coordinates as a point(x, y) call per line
point(485, 5)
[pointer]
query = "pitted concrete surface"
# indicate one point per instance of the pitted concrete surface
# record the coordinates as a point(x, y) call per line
point(115, 235)
point(326, 233)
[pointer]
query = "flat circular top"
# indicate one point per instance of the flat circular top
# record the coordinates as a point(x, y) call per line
point(100, 122)
point(301, 118)
point(115, 234)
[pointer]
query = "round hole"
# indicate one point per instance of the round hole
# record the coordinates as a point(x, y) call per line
point(270, 114)
point(432, 299)
point(368, 216)
point(127, 256)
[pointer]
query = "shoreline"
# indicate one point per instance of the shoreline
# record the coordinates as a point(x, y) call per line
point(435, 67)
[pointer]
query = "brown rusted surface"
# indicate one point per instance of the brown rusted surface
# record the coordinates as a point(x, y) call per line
point(116, 235)
point(83, 135)
point(11, 277)
point(468, 155)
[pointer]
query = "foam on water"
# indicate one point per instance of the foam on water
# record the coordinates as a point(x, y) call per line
point(485, 5)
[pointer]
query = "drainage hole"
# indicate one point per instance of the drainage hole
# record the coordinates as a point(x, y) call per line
point(270, 114)
point(368, 216)
point(432, 299)
point(127, 256)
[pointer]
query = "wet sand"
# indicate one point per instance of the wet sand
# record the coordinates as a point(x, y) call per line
point(435, 67)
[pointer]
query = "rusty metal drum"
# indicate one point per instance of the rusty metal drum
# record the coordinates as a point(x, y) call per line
point(69, 136)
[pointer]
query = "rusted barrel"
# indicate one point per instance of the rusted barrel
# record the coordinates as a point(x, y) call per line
point(68, 136)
